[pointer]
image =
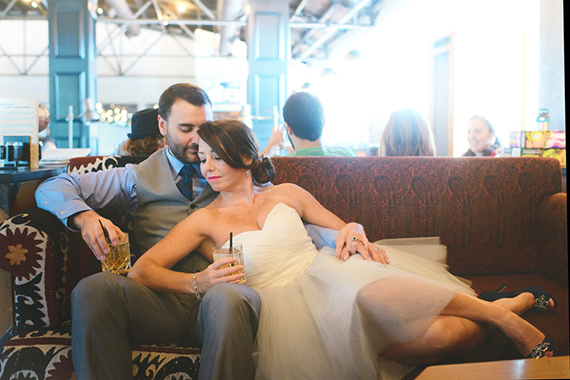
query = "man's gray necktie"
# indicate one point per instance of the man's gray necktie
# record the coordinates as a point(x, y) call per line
point(185, 182)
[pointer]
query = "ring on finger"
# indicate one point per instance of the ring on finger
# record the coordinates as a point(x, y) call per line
point(354, 238)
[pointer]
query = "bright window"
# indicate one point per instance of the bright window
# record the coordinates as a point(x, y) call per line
point(495, 68)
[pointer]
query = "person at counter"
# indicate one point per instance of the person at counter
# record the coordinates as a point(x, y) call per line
point(407, 133)
point(145, 137)
point(482, 138)
point(304, 121)
point(46, 142)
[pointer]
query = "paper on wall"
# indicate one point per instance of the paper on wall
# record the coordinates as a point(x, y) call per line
point(19, 117)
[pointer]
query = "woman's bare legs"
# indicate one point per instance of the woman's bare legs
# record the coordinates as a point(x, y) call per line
point(524, 335)
point(445, 337)
point(462, 326)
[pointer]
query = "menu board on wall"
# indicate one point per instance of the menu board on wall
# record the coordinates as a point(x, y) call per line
point(19, 117)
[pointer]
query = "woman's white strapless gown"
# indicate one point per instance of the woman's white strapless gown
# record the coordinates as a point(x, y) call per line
point(310, 326)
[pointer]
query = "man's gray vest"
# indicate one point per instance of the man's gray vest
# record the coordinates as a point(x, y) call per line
point(160, 206)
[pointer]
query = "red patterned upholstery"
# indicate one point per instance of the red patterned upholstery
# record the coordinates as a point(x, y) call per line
point(485, 210)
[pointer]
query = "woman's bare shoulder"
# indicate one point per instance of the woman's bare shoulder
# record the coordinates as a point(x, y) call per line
point(291, 190)
point(287, 193)
point(285, 188)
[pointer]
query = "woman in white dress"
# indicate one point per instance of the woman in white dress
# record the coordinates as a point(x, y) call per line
point(325, 314)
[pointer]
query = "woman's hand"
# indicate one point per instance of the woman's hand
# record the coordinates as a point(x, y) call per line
point(352, 239)
point(214, 274)
point(377, 254)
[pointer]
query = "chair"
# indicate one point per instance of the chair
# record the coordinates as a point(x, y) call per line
point(47, 261)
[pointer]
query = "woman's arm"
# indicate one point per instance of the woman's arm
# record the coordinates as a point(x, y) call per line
point(153, 268)
point(351, 237)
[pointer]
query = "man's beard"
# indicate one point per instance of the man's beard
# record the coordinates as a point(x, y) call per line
point(182, 153)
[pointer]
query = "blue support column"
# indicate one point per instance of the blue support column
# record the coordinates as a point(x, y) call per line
point(269, 49)
point(72, 66)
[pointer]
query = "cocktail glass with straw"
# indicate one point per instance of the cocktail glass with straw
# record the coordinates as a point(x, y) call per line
point(233, 250)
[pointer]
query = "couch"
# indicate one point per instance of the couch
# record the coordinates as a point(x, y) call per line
point(502, 220)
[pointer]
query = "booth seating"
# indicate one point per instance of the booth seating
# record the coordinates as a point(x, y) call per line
point(502, 220)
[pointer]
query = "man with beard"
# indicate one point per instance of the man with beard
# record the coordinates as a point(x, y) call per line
point(111, 312)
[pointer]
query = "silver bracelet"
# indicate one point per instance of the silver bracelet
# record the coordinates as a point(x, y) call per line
point(196, 291)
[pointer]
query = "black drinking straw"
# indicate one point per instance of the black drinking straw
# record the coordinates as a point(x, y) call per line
point(231, 242)
point(105, 233)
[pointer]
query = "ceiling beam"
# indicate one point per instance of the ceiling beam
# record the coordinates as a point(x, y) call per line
point(305, 37)
point(159, 15)
point(43, 53)
point(205, 9)
point(228, 10)
point(332, 30)
point(174, 22)
point(192, 36)
point(127, 69)
point(299, 9)
point(317, 25)
point(126, 23)
point(3, 53)
point(123, 10)
point(24, 18)
point(292, 25)
point(175, 38)
point(8, 8)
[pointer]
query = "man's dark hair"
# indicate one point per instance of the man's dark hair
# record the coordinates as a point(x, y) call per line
point(185, 91)
point(304, 114)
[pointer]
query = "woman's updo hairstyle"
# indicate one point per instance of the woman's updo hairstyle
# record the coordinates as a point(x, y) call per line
point(262, 170)
point(234, 142)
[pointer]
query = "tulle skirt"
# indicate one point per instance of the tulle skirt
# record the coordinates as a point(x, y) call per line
point(313, 329)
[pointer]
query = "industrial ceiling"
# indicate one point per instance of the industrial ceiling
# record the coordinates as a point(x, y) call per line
point(314, 24)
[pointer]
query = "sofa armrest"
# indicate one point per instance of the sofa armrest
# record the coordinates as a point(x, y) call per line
point(553, 222)
point(35, 247)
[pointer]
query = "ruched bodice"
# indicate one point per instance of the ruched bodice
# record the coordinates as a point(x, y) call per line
point(280, 252)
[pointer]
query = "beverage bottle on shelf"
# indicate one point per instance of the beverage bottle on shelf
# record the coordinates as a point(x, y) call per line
point(542, 119)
